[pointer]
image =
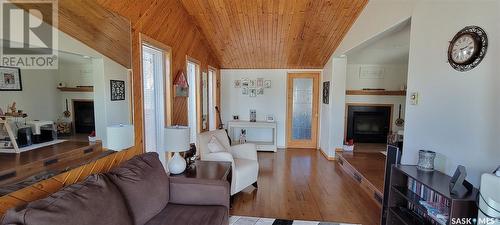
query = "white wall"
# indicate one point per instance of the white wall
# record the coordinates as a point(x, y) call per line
point(39, 97)
point(272, 102)
point(333, 114)
point(74, 74)
point(458, 111)
point(104, 69)
point(377, 17)
point(393, 78)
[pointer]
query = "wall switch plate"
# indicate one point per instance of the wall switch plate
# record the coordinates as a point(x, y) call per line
point(414, 98)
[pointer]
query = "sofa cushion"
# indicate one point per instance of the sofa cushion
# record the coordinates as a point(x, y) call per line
point(144, 185)
point(95, 201)
point(175, 214)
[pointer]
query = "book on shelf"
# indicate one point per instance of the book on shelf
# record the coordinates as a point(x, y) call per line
point(432, 206)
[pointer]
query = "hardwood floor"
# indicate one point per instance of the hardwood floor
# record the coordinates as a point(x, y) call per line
point(302, 184)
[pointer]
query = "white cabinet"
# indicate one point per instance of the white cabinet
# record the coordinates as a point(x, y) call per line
point(262, 134)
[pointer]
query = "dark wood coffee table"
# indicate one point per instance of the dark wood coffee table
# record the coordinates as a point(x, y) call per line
point(208, 170)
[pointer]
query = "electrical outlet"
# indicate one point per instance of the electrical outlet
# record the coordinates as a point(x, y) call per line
point(414, 98)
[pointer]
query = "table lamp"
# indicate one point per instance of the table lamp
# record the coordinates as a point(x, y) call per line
point(177, 140)
point(120, 137)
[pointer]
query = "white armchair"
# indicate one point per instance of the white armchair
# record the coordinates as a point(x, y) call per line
point(243, 158)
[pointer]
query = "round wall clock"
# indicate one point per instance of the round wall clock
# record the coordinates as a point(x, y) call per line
point(467, 48)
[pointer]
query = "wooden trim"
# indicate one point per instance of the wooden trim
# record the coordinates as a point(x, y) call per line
point(375, 92)
point(51, 185)
point(76, 89)
point(329, 158)
point(365, 104)
point(313, 143)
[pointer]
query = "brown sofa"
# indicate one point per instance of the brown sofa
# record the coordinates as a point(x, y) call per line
point(139, 192)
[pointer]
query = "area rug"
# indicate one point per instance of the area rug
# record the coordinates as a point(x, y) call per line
point(243, 220)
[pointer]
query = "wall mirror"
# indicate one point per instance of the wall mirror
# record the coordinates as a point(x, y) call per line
point(57, 121)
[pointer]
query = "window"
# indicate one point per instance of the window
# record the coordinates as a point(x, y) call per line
point(154, 72)
point(193, 70)
point(212, 99)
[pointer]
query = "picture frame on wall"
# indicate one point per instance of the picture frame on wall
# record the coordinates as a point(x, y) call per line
point(267, 84)
point(244, 91)
point(244, 82)
point(252, 83)
point(10, 79)
point(260, 91)
point(326, 92)
point(237, 83)
point(117, 88)
point(252, 92)
point(260, 82)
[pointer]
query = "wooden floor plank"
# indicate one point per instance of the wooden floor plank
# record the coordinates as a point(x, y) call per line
point(302, 184)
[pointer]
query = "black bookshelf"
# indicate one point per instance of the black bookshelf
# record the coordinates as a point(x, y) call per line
point(410, 189)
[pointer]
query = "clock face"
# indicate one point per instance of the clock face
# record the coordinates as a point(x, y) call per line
point(467, 48)
point(463, 49)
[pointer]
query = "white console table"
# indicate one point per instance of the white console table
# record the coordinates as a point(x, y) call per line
point(261, 145)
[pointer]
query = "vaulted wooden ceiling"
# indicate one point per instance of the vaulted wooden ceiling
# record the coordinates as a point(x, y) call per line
point(274, 33)
point(259, 33)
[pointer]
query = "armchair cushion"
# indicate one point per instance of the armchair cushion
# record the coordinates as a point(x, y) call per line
point(144, 184)
point(214, 145)
point(244, 151)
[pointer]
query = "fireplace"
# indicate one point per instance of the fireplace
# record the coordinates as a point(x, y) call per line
point(83, 116)
point(368, 124)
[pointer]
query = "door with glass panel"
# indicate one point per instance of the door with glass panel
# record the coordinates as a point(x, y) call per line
point(302, 110)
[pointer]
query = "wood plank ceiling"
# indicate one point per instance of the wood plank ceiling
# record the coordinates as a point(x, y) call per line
point(274, 33)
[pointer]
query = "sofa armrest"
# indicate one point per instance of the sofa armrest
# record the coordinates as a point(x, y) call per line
point(189, 191)
point(244, 151)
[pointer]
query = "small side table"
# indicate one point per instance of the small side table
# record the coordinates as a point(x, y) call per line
point(208, 170)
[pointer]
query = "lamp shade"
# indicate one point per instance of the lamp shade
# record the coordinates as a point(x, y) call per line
point(120, 137)
point(177, 139)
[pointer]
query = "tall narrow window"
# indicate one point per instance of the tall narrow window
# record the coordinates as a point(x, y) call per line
point(153, 75)
point(193, 74)
point(212, 99)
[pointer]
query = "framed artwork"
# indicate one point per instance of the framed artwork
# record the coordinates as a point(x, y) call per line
point(267, 83)
point(326, 92)
point(260, 82)
point(244, 82)
point(252, 83)
point(181, 87)
point(260, 91)
point(252, 92)
point(237, 83)
point(10, 79)
point(244, 91)
point(117, 90)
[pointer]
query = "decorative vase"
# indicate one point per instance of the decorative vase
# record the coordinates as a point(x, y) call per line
point(426, 160)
